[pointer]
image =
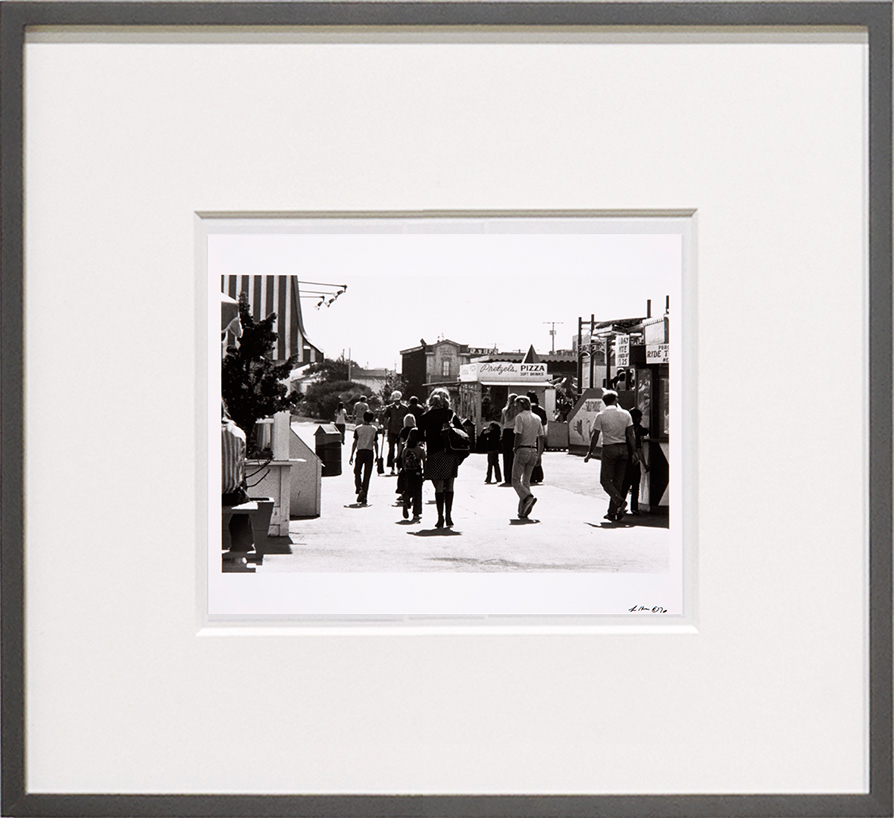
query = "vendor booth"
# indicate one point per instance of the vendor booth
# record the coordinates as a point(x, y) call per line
point(485, 387)
point(639, 371)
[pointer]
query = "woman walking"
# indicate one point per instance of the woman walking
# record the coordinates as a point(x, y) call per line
point(441, 464)
point(507, 422)
point(341, 419)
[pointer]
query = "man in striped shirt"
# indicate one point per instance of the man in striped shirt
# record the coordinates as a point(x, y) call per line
point(232, 464)
point(232, 472)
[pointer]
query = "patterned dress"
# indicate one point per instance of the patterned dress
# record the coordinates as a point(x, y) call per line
point(440, 463)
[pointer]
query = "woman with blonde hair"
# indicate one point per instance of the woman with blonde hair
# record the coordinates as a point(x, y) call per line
point(507, 422)
point(441, 464)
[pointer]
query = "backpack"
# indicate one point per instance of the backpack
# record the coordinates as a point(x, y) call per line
point(455, 440)
point(411, 460)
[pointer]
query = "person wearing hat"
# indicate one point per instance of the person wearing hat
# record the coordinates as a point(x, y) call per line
point(540, 412)
point(393, 419)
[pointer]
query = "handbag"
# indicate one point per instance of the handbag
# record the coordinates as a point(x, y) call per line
point(456, 440)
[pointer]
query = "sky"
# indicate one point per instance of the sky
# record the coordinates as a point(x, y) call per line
point(484, 290)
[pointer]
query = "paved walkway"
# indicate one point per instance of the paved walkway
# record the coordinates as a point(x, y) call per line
point(566, 532)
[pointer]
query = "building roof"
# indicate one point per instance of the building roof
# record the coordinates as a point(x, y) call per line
point(359, 372)
point(279, 294)
point(615, 323)
point(426, 346)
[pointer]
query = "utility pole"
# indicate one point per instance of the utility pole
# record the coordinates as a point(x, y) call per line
point(552, 332)
point(580, 354)
point(592, 349)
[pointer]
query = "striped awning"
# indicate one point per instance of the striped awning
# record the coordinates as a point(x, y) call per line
point(279, 294)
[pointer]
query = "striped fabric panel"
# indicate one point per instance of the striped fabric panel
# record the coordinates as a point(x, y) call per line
point(232, 457)
point(279, 294)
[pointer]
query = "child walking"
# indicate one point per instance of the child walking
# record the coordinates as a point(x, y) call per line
point(412, 462)
point(409, 424)
point(494, 448)
point(366, 447)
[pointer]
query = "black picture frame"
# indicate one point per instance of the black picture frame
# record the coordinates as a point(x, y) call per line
point(15, 17)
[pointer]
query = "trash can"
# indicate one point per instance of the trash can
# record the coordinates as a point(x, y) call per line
point(328, 448)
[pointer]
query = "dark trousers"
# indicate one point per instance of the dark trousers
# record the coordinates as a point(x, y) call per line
point(493, 466)
point(413, 493)
point(363, 465)
point(393, 443)
point(508, 453)
point(614, 466)
point(631, 484)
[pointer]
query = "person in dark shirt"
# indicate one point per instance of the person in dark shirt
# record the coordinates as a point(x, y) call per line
point(492, 441)
point(540, 412)
point(441, 464)
point(393, 421)
point(634, 465)
point(412, 467)
point(416, 408)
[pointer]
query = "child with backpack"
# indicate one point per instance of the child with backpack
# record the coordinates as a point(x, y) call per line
point(412, 463)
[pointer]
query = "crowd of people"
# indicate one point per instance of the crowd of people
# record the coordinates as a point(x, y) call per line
point(419, 449)
point(426, 443)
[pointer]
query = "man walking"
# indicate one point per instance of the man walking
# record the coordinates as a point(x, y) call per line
point(393, 418)
point(616, 426)
point(416, 409)
point(527, 446)
point(537, 409)
point(360, 408)
point(366, 447)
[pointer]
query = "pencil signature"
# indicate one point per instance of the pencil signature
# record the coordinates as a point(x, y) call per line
point(644, 609)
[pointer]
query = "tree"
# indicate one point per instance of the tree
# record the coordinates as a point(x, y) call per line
point(321, 399)
point(251, 383)
point(333, 369)
point(393, 382)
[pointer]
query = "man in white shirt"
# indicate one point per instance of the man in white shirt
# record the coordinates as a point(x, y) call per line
point(616, 426)
point(527, 446)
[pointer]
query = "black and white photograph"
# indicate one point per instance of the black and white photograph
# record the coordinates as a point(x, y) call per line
point(420, 397)
point(446, 409)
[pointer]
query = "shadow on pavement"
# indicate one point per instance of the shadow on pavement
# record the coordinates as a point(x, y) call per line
point(276, 545)
point(436, 532)
point(636, 521)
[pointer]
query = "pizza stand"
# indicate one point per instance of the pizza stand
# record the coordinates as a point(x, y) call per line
point(484, 388)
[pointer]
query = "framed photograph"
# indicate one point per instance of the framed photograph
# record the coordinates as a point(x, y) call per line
point(445, 273)
point(351, 537)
